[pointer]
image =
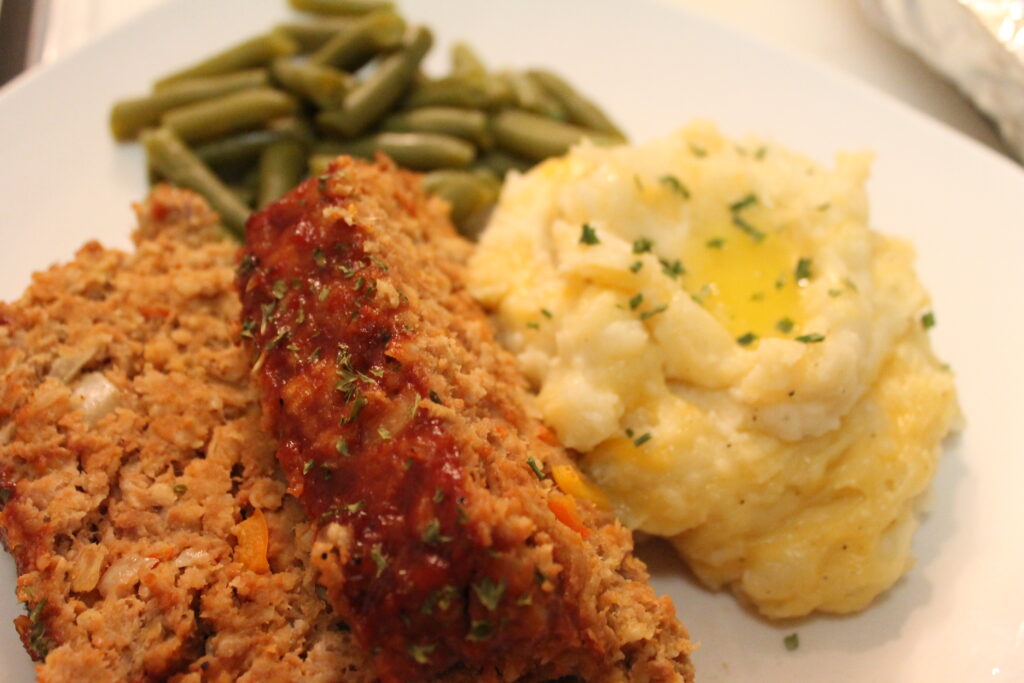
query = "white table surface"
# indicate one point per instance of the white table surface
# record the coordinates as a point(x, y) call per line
point(833, 32)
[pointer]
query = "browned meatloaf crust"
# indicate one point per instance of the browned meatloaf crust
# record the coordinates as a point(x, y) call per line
point(409, 436)
point(125, 517)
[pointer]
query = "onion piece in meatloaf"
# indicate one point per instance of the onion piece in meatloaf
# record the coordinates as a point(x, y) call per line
point(408, 434)
point(142, 502)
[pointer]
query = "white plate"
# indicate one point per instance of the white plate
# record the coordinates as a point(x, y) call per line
point(959, 614)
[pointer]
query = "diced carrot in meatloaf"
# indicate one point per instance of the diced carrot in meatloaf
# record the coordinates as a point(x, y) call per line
point(409, 436)
point(142, 502)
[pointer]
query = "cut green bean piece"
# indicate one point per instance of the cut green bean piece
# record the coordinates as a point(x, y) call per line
point(500, 163)
point(309, 36)
point(175, 162)
point(257, 51)
point(466, 63)
point(418, 151)
point(229, 114)
point(468, 195)
point(368, 101)
point(334, 7)
point(529, 95)
point(129, 117)
point(471, 92)
point(581, 110)
point(365, 37)
point(469, 124)
point(282, 164)
point(324, 86)
point(535, 137)
point(244, 148)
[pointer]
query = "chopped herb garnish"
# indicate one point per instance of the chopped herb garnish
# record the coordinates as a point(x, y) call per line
point(653, 312)
point(698, 151)
point(746, 227)
point(784, 325)
point(850, 283)
point(546, 313)
point(533, 466)
point(248, 328)
point(379, 263)
point(421, 653)
point(802, 272)
point(359, 404)
point(441, 598)
point(588, 235)
point(267, 313)
point(673, 269)
point(642, 439)
point(246, 265)
point(757, 296)
point(676, 186)
point(479, 630)
point(533, 325)
point(715, 243)
point(432, 533)
point(379, 558)
point(928, 320)
point(835, 292)
point(279, 289)
point(324, 293)
point(327, 470)
point(359, 284)
point(318, 258)
point(489, 592)
point(356, 507)
point(460, 514)
point(761, 151)
point(792, 641)
point(636, 266)
point(434, 397)
point(812, 338)
point(308, 465)
point(415, 406)
point(746, 339)
point(281, 335)
point(342, 446)
point(383, 433)
point(743, 203)
point(824, 207)
point(636, 301)
point(629, 432)
point(179, 490)
point(5, 494)
point(642, 245)
point(438, 495)
point(525, 599)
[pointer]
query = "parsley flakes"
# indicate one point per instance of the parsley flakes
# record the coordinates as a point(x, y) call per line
point(588, 235)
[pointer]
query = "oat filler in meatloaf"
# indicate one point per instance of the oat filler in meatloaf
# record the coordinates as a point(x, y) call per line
point(138, 488)
point(407, 433)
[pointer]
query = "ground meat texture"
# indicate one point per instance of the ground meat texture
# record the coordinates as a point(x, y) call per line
point(133, 465)
point(410, 438)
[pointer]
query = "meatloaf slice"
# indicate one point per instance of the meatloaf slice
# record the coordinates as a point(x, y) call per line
point(409, 436)
point(142, 502)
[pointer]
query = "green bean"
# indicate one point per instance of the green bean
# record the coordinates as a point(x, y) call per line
point(531, 96)
point(500, 163)
point(331, 7)
point(467, 194)
point(281, 166)
point(322, 85)
point(535, 137)
point(465, 62)
point(309, 36)
point(175, 162)
point(469, 124)
point(373, 97)
point(243, 148)
point(257, 51)
point(129, 117)
point(365, 37)
point(419, 151)
point(484, 92)
point(229, 114)
point(581, 110)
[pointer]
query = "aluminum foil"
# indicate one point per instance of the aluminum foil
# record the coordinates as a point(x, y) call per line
point(978, 44)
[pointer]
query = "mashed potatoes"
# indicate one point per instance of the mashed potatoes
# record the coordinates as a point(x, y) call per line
point(741, 362)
